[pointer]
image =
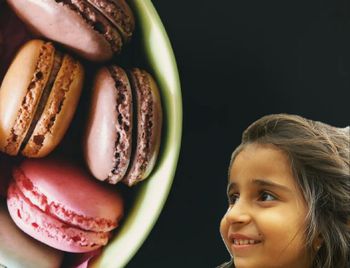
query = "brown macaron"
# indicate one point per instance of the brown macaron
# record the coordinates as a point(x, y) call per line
point(94, 29)
point(149, 123)
point(38, 98)
point(124, 125)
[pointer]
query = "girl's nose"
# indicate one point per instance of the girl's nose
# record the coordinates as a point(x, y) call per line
point(238, 213)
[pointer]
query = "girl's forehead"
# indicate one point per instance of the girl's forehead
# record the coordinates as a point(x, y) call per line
point(261, 161)
point(269, 152)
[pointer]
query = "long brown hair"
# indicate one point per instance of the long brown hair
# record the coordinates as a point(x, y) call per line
point(320, 160)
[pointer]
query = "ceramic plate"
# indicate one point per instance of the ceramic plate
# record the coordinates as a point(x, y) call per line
point(153, 192)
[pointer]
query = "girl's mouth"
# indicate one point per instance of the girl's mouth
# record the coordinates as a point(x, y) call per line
point(245, 242)
point(243, 246)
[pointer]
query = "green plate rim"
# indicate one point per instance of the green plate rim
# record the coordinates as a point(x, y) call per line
point(154, 191)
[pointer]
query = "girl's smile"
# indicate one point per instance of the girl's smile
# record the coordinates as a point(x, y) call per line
point(241, 244)
point(265, 222)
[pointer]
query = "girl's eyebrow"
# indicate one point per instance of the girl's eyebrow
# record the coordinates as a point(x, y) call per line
point(261, 182)
point(269, 183)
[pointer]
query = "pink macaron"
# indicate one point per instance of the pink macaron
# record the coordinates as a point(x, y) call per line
point(19, 250)
point(60, 205)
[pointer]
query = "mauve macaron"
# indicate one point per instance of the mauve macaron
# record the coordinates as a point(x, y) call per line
point(108, 138)
point(148, 124)
point(124, 125)
point(62, 206)
point(38, 98)
point(94, 29)
point(18, 250)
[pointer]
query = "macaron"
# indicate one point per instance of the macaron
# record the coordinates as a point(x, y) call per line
point(38, 98)
point(61, 205)
point(18, 250)
point(147, 136)
point(94, 29)
point(124, 125)
point(108, 139)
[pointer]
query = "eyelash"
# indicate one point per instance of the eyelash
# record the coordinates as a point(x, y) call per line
point(232, 198)
point(262, 193)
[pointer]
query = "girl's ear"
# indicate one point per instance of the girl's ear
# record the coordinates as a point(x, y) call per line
point(318, 242)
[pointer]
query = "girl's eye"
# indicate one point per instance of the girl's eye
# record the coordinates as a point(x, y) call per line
point(266, 196)
point(232, 198)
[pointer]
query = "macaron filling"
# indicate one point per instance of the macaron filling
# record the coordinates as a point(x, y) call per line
point(97, 21)
point(123, 142)
point(31, 99)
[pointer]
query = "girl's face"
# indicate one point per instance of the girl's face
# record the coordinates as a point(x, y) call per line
point(265, 222)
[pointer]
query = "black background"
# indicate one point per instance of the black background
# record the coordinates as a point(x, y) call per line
point(238, 61)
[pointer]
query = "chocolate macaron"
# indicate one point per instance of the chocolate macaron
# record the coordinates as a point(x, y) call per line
point(94, 29)
point(124, 125)
point(38, 98)
point(149, 122)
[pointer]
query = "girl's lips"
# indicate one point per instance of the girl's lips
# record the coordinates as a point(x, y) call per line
point(238, 250)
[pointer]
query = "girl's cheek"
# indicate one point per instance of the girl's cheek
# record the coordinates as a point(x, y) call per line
point(225, 224)
point(224, 227)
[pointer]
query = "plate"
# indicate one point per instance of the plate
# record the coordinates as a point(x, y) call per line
point(150, 49)
point(153, 192)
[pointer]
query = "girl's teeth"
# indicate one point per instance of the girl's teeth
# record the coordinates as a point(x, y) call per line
point(243, 242)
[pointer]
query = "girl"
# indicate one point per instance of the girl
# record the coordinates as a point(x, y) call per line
point(289, 196)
